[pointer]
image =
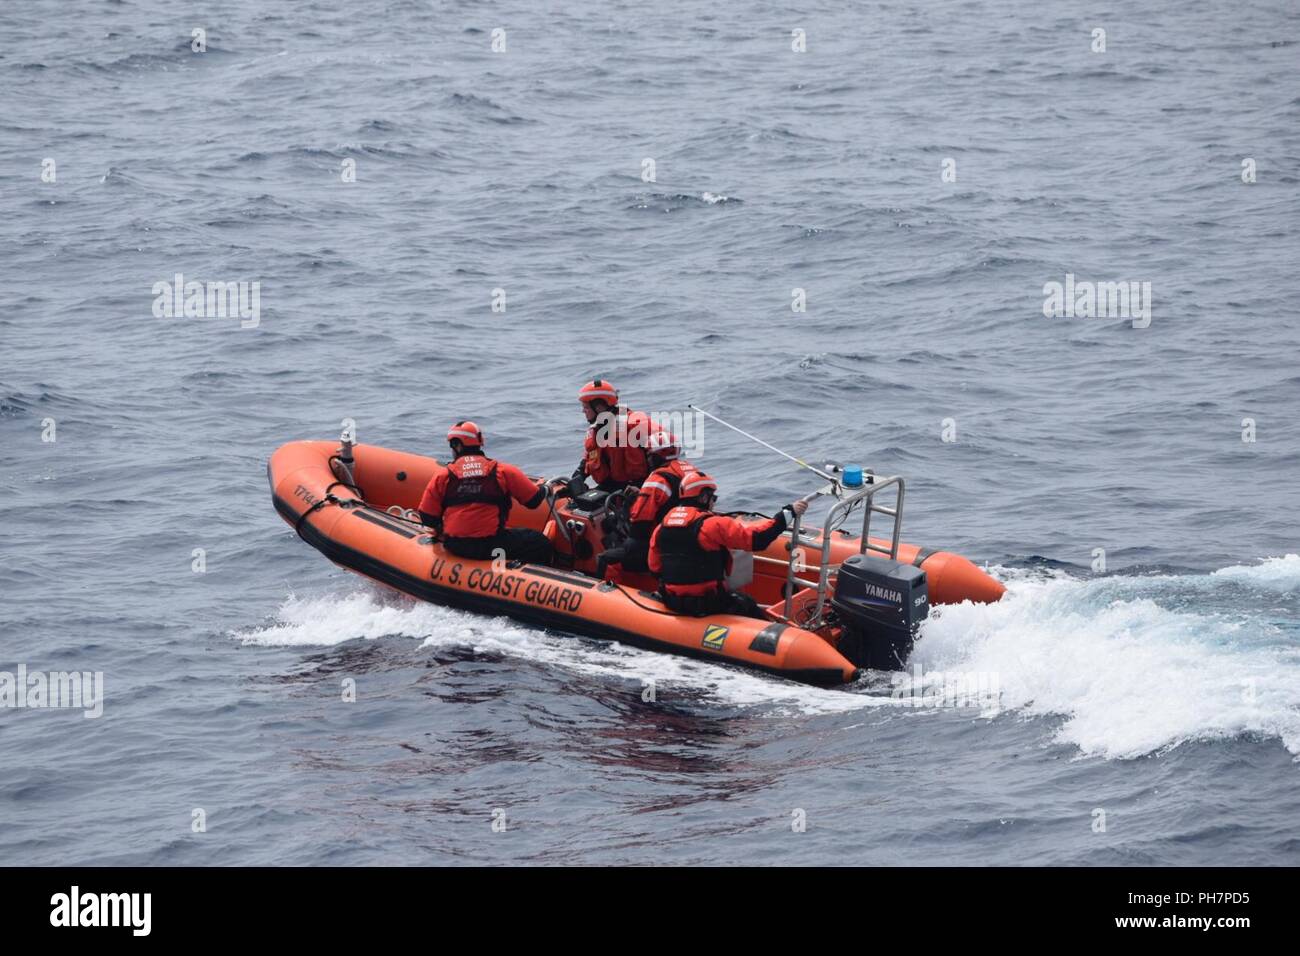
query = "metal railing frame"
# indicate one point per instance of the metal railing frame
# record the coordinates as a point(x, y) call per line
point(874, 485)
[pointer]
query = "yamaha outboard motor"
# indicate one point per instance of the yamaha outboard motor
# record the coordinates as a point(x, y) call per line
point(880, 603)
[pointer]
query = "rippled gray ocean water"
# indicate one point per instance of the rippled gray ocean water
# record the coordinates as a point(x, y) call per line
point(1164, 691)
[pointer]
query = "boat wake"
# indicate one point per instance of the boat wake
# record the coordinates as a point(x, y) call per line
point(1124, 665)
point(372, 612)
point(1137, 665)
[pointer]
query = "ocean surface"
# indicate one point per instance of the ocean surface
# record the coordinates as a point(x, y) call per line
point(1148, 707)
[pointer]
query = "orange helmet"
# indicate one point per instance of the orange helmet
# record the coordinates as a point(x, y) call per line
point(467, 433)
point(663, 445)
point(695, 484)
point(598, 389)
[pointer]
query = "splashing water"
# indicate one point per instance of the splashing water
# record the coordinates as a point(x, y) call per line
point(370, 614)
point(1137, 665)
point(1134, 665)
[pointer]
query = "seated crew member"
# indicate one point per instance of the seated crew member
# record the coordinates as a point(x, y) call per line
point(659, 494)
point(614, 455)
point(468, 502)
point(690, 551)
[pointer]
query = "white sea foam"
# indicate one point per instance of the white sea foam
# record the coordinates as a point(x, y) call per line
point(369, 613)
point(1282, 573)
point(1129, 675)
point(1123, 673)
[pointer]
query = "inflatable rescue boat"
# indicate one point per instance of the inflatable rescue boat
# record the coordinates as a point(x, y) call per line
point(837, 602)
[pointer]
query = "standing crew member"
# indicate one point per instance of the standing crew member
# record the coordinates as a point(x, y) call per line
point(614, 454)
point(659, 494)
point(468, 503)
point(690, 551)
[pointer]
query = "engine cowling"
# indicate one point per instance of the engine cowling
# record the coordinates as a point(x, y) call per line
point(880, 604)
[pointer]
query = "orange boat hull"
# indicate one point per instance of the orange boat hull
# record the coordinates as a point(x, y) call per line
point(367, 539)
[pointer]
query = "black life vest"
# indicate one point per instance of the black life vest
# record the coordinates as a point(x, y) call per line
point(682, 559)
point(477, 489)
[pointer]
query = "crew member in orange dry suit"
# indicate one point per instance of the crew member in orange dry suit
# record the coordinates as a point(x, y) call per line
point(690, 551)
point(614, 452)
point(659, 494)
point(468, 502)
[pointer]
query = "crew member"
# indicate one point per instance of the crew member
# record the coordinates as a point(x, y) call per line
point(468, 502)
point(614, 455)
point(659, 494)
point(690, 551)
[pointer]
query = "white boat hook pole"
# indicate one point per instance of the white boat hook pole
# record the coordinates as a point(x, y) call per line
point(741, 431)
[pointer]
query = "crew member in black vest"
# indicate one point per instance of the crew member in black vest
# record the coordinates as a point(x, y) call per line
point(658, 495)
point(468, 503)
point(690, 551)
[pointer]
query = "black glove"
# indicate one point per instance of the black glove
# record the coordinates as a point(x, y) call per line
point(578, 481)
point(761, 539)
